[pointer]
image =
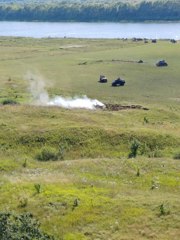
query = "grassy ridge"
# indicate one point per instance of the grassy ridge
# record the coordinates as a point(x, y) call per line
point(86, 134)
point(93, 191)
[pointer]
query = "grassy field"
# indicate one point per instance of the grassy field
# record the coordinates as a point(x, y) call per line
point(93, 190)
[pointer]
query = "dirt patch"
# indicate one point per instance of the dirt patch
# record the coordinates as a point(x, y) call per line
point(118, 107)
point(72, 46)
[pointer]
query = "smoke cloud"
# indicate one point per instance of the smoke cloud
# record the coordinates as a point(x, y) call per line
point(40, 96)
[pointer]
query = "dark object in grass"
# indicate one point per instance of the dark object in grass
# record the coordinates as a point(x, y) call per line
point(9, 102)
point(154, 41)
point(135, 144)
point(83, 63)
point(163, 210)
point(75, 204)
point(118, 107)
point(177, 156)
point(47, 154)
point(138, 172)
point(162, 63)
point(140, 61)
point(173, 41)
point(102, 79)
point(118, 82)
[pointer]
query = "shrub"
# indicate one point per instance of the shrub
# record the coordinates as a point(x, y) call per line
point(146, 120)
point(156, 153)
point(37, 187)
point(24, 163)
point(9, 102)
point(177, 156)
point(61, 152)
point(138, 172)
point(23, 226)
point(163, 210)
point(135, 144)
point(23, 202)
point(47, 154)
point(154, 184)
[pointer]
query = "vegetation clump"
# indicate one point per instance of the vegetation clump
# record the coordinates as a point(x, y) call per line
point(9, 102)
point(135, 144)
point(177, 156)
point(38, 188)
point(22, 226)
point(163, 210)
point(47, 154)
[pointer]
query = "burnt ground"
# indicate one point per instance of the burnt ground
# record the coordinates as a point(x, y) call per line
point(118, 107)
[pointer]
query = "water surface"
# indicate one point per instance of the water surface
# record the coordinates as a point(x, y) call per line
point(91, 30)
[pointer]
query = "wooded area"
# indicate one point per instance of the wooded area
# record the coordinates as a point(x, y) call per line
point(75, 10)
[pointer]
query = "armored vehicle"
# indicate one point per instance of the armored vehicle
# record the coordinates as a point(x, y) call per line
point(162, 63)
point(118, 82)
point(102, 79)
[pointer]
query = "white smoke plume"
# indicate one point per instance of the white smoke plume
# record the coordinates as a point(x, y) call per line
point(41, 97)
point(76, 102)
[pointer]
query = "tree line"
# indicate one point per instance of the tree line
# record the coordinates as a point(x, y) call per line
point(90, 11)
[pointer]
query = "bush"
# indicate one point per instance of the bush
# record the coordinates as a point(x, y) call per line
point(23, 226)
point(9, 102)
point(177, 156)
point(163, 210)
point(37, 187)
point(135, 144)
point(47, 154)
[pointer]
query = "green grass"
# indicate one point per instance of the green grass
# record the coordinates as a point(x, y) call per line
point(114, 202)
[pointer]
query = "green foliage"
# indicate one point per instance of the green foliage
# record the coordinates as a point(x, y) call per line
point(24, 163)
point(146, 120)
point(154, 184)
point(75, 203)
point(135, 144)
point(90, 11)
point(23, 202)
point(177, 155)
point(22, 226)
point(163, 210)
point(9, 102)
point(38, 188)
point(138, 172)
point(47, 154)
point(61, 152)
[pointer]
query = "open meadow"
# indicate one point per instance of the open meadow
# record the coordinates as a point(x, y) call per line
point(92, 174)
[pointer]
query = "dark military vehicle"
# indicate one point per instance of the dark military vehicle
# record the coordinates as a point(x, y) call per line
point(173, 41)
point(118, 82)
point(154, 41)
point(102, 79)
point(162, 63)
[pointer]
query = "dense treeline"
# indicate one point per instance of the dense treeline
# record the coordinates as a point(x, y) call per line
point(90, 11)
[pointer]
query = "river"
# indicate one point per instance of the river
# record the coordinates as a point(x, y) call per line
point(167, 30)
